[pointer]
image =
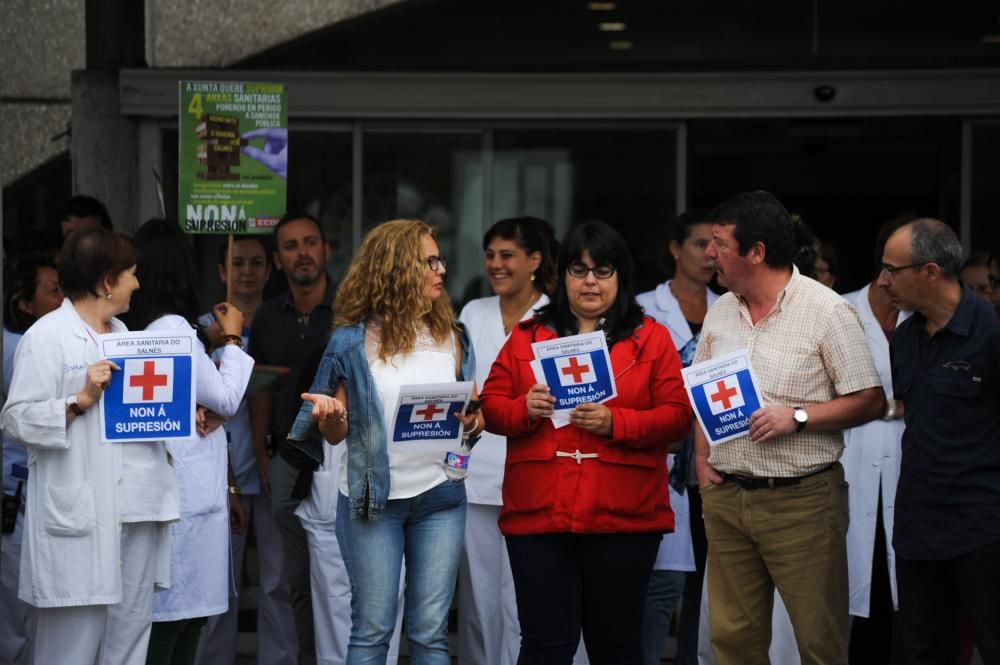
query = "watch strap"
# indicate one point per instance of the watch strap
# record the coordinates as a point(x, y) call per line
point(73, 406)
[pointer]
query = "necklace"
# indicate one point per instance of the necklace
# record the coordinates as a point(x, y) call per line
point(506, 327)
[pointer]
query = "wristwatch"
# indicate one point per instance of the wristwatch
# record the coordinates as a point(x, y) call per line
point(73, 405)
point(890, 410)
point(801, 418)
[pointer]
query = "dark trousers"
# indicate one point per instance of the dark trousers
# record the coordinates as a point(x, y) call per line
point(875, 638)
point(687, 627)
point(931, 596)
point(595, 582)
point(295, 545)
point(174, 642)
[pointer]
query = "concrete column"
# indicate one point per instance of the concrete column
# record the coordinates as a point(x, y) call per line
point(104, 147)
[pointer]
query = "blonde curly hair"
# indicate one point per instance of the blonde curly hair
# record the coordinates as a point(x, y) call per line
point(386, 280)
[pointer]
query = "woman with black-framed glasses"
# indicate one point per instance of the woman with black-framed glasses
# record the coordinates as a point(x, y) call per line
point(585, 504)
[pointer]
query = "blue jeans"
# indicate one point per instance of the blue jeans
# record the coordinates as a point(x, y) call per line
point(664, 590)
point(429, 529)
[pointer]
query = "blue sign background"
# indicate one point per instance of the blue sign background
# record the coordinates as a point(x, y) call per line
point(713, 421)
point(178, 411)
point(565, 399)
point(448, 427)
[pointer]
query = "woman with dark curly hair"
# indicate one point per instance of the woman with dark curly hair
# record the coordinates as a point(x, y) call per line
point(518, 257)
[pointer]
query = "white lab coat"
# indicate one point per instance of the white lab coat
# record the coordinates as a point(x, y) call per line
point(676, 549)
point(661, 304)
point(200, 553)
point(71, 552)
point(484, 322)
point(871, 458)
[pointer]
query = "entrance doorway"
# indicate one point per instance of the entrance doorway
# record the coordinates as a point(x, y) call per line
point(845, 177)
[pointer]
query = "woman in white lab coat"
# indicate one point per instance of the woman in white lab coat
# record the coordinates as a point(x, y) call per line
point(871, 467)
point(518, 260)
point(680, 304)
point(96, 538)
point(200, 558)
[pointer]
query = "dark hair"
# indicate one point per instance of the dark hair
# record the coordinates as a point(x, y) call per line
point(886, 230)
point(809, 247)
point(20, 283)
point(994, 256)
point(85, 206)
point(293, 215)
point(532, 235)
point(977, 260)
point(606, 247)
point(760, 217)
point(680, 231)
point(166, 274)
point(224, 247)
point(89, 256)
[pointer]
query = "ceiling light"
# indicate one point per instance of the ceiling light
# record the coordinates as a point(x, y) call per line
point(601, 6)
point(611, 26)
point(620, 45)
point(991, 39)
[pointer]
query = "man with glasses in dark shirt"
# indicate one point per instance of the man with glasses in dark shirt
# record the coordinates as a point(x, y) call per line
point(287, 330)
point(946, 368)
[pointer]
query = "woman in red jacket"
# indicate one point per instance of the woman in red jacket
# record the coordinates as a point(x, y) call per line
point(585, 504)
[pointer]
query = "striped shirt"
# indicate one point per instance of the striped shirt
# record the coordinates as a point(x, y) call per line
point(810, 348)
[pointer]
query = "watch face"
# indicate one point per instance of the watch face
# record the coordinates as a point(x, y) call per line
point(801, 416)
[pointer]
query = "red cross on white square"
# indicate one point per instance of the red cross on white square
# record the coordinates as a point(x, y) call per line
point(426, 413)
point(148, 380)
point(575, 370)
point(724, 394)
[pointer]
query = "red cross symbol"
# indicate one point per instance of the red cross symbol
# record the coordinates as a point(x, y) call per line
point(724, 395)
point(148, 380)
point(429, 411)
point(576, 369)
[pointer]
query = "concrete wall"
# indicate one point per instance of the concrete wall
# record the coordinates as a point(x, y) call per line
point(42, 43)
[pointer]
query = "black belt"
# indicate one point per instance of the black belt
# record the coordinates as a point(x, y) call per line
point(748, 483)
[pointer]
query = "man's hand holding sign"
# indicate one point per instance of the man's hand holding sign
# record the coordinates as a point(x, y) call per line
point(727, 403)
point(771, 421)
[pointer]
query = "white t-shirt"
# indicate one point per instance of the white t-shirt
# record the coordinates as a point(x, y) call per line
point(414, 466)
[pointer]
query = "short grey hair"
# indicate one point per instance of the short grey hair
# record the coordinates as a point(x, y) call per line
point(934, 241)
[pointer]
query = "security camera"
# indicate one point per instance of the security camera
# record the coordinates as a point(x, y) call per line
point(824, 93)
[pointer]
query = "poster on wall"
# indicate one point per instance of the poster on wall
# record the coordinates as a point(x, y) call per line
point(233, 160)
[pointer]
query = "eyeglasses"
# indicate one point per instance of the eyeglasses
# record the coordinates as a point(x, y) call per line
point(435, 263)
point(580, 270)
point(892, 270)
point(995, 282)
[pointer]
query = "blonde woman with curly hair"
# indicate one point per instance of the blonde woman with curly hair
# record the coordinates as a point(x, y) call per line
point(394, 326)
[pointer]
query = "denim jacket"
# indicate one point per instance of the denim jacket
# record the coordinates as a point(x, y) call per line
point(367, 456)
